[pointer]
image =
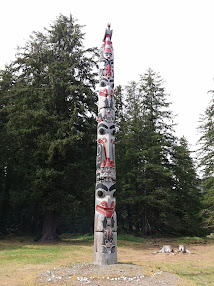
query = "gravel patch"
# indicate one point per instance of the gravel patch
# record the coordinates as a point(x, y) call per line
point(116, 274)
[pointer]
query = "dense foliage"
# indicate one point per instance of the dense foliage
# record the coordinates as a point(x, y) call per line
point(207, 163)
point(48, 148)
point(157, 177)
point(48, 120)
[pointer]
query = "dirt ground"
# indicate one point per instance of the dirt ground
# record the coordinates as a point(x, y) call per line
point(119, 274)
point(137, 265)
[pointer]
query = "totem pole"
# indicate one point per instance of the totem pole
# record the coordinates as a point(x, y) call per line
point(105, 223)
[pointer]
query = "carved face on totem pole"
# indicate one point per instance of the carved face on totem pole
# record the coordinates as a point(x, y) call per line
point(105, 202)
point(105, 216)
point(106, 114)
point(108, 52)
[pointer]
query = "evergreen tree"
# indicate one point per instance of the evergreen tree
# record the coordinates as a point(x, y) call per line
point(145, 153)
point(127, 157)
point(186, 199)
point(207, 163)
point(158, 187)
point(5, 144)
point(51, 122)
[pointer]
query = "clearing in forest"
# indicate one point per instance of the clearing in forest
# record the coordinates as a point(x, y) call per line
point(24, 262)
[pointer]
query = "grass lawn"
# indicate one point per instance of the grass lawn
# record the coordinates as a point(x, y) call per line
point(22, 260)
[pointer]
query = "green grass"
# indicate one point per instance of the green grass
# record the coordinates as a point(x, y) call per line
point(23, 251)
point(76, 237)
point(131, 238)
point(87, 237)
point(200, 274)
point(127, 237)
point(33, 253)
point(194, 240)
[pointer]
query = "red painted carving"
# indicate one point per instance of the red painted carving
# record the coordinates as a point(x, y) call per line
point(103, 164)
point(104, 209)
point(108, 164)
point(112, 164)
point(108, 71)
point(99, 119)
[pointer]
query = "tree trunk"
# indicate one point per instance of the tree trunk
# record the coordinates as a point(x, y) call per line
point(49, 228)
point(144, 215)
point(144, 222)
point(130, 224)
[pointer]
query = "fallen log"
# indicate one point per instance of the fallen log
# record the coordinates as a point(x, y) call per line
point(183, 249)
point(165, 249)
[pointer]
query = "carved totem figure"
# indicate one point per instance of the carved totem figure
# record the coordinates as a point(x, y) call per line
point(105, 223)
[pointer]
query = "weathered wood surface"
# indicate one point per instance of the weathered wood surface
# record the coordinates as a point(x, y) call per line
point(105, 222)
point(173, 250)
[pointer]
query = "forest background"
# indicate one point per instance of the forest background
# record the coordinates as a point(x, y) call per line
point(48, 123)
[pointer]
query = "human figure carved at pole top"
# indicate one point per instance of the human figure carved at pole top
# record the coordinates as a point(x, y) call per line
point(108, 52)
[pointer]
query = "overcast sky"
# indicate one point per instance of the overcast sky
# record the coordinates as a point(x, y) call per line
point(173, 37)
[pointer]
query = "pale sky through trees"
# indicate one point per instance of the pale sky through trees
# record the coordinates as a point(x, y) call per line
point(173, 37)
